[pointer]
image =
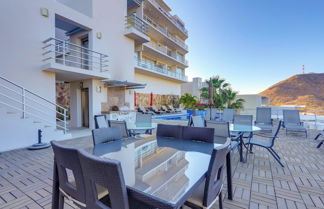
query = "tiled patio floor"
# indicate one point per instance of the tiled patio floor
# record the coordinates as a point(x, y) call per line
point(25, 177)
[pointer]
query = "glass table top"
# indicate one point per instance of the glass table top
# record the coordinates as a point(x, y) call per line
point(141, 126)
point(243, 128)
point(163, 167)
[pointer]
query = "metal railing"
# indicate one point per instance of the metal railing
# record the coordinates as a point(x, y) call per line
point(73, 55)
point(154, 68)
point(32, 105)
point(132, 21)
point(164, 50)
point(166, 33)
point(169, 16)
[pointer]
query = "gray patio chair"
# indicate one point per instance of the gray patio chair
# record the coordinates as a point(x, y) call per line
point(102, 135)
point(198, 134)
point(317, 136)
point(267, 143)
point(210, 113)
point(100, 121)
point(143, 118)
point(67, 158)
point(222, 132)
point(197, 121)
point(109, 175)
point(263, 119)
point(208, 192)
point(243, 120)
point(228, 115)
point(173, 131)
point(292, 123)
point(121, 125)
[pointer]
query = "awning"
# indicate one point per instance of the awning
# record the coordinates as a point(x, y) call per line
point(126, 84)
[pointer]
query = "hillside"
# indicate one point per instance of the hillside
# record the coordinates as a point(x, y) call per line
point(302, 89)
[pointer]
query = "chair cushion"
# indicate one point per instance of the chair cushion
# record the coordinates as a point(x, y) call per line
point(260, 142)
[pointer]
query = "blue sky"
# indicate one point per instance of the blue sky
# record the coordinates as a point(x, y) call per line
point(252, 43)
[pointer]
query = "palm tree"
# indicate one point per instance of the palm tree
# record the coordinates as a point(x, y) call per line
point(231, 101)
point(189, 101)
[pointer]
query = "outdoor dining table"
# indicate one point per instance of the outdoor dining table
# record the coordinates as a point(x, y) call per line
point(166, 169)
point(238, 128)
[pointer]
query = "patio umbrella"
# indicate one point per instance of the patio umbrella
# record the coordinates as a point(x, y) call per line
point(135, 98)
point(151, 99)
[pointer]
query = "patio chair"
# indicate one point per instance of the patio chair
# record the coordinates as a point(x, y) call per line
point(245, 120)
point(100, 121)
point(198, 134)
point(121, 125)
point(208, 192)
point(143, 118)
point(172, 131)
point(196, 121)
point(109, 175)
point(67, 158)
point(292, 123)
point(317, 136)
point(222, 132)
point(102, 135)
point(267, 143)
point(210, 113)
point(228, 115)
point(263, 119)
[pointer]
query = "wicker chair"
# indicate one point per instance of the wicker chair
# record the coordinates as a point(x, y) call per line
point(198, 134)
point(211, 189)
point(172, 131)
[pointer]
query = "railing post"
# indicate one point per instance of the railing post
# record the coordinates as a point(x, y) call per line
point(23, 103)
point(64, 121)
point(100, 62)
point(63, 51)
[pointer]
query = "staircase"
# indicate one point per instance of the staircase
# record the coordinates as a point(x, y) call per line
point(23, 112)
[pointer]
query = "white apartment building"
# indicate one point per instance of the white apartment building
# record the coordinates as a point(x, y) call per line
point(103, 51)
point(193, 87)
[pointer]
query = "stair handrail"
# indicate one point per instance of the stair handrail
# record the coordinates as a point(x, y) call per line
point(23, 95)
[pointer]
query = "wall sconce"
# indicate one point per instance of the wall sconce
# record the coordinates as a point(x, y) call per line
point(99, 35)
point(98, 89)
point(44, 12)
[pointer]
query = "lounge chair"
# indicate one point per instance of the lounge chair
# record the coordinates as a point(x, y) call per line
point(165, 109)
point(155, 110)
point(267, 143)
point(175, 110)
point(317, 136)
point(263, 119)
point(292, 122)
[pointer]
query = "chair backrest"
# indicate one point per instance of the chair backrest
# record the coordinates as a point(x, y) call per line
point(68, 163)
point(197, 121)
point(221, 128)
point(215, 173)
point(102, 135)
point(121, 125)
point(228, 115)
point(174, 131)
point(198, 134)
point(276, 133)
point(108, 174)
point(143, 118)
point(243, 120)
point(291, 116)
point(100, 121)
point(263, 115)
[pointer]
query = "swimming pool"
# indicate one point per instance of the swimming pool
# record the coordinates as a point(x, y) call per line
point(182, 116)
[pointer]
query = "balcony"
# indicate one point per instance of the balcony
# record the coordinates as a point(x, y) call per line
point(176, 42)
point(73, 62)
point(134, 3)
point(136, 29)
point(151, 69)
point(171, 19)
point(162, 53)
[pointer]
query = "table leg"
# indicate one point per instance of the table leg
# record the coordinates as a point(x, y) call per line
point(55, 188)
point(229, 176)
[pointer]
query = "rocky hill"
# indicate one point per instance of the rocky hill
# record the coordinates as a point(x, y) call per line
point(302, 89)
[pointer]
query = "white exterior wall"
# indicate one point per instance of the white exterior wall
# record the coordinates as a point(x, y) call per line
point(157, 85)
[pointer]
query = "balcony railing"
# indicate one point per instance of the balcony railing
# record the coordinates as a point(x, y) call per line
point(169, 16)
point(162, 70)
point(166, 33)
point(73, 55)
point(164, 50)
point(132, 21)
